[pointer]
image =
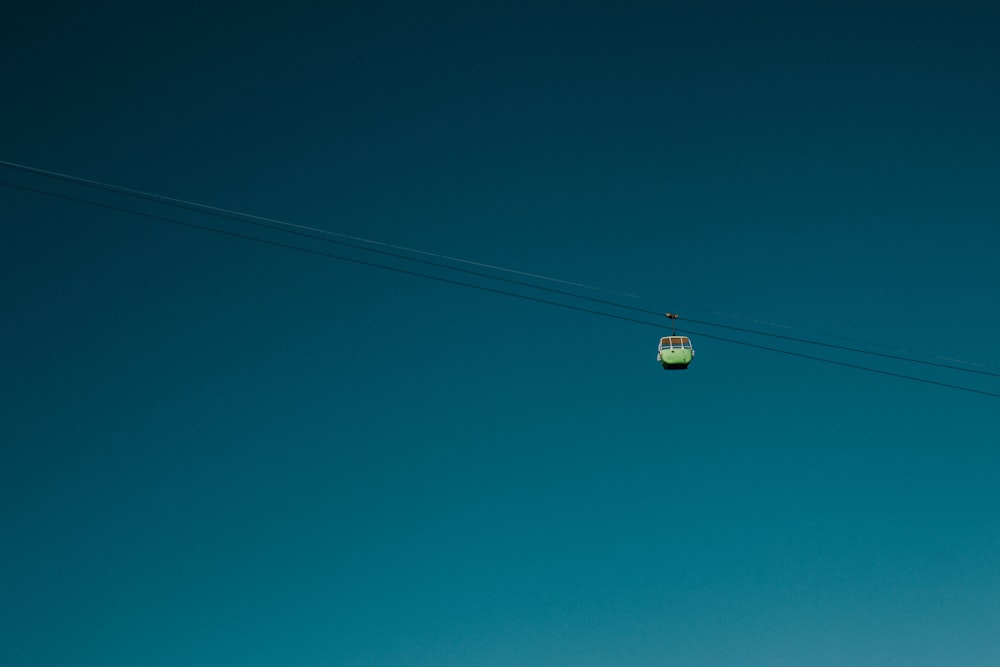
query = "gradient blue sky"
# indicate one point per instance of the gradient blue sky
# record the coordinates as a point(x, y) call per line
point(218, 452)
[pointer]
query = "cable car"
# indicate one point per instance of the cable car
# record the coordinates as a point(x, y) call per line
point(675, 352)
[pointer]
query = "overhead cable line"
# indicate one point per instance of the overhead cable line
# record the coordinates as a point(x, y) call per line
point(287, 226)
point(484, 288)
point(325, 236)
point(846, 348)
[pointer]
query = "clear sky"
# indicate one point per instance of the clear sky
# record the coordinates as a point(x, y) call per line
point(214, 451)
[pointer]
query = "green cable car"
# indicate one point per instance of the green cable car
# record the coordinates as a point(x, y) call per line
point(675, 352)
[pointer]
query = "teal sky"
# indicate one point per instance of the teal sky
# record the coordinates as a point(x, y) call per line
point(215, 451)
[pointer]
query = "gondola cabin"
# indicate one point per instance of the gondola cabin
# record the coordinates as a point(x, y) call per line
point(675, 353)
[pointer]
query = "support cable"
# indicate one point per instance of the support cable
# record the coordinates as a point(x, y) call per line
point(325, 236)
point(484, 288)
